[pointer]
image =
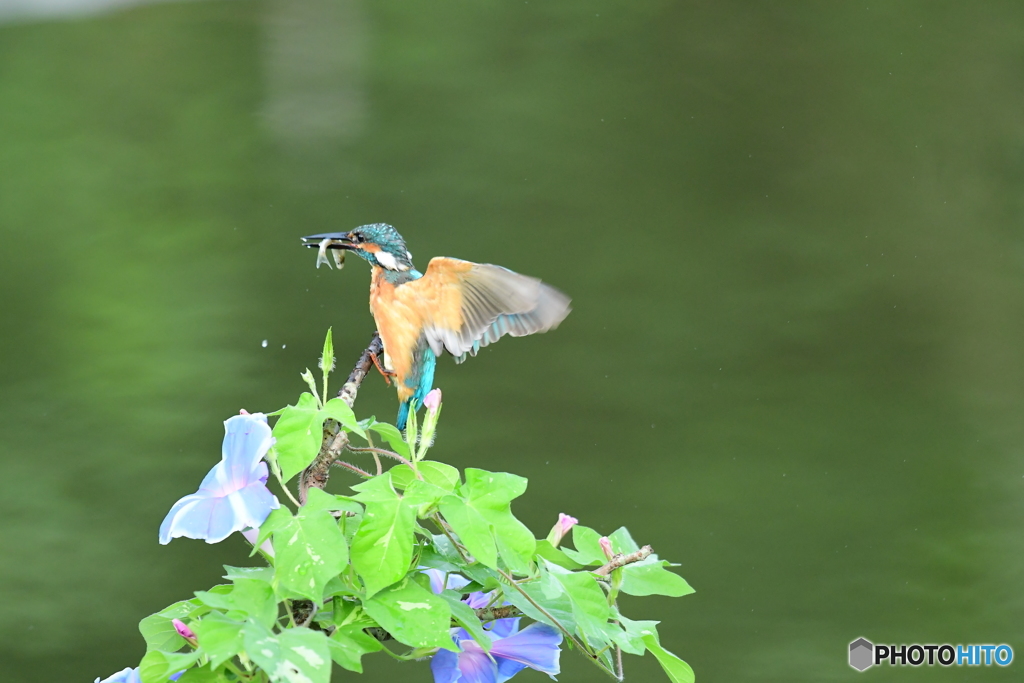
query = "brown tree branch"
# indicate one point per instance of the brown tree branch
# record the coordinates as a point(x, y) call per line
point(621, 560)
point(335, 438)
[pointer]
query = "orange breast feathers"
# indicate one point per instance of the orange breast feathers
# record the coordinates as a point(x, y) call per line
point(458, 307)
point(399, 319)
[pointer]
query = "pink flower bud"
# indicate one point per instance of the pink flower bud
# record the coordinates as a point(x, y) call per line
point(243, 411)
point(606, 546)
point(183, 630)
point(561, 528)
point(433, 400)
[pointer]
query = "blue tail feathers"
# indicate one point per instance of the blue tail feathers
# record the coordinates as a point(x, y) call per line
point(424, 382)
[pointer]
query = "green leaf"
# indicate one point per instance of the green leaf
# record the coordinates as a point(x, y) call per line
point(318, 499)
point(159, 632)
point(436, 473)
point(413, 615)
point(589, 604)
point(421, 494)
point(296, 655)
point(483, 519)
point(309, 552)
point(157, 666)
point(473, 529)
point(622, 542)
point(588, 548)
point(277, 519)
point(220, 637)
point(246, 598)
point(340, 411)
point(466, 617)
point(203, 674)
point(348, 644)
point(649, 577)
point(264, 574)
point(382, 547)
point(556, 556)
point(678, 671)
point(394, 437)
point(299, 435)
point(631, 638)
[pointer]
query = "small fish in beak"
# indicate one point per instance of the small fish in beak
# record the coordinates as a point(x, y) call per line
point(321, 255)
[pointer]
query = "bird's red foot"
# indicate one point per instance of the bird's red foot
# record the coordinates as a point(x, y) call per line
point(380, 368)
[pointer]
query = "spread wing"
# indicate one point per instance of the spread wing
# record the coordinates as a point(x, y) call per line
point(475, 304)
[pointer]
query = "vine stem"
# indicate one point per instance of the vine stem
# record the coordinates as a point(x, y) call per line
point(443, 526)
point(238, 672)
point(352, 468)
point(576, 641)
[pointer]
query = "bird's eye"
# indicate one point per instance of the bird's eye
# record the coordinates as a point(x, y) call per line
point(357, 237)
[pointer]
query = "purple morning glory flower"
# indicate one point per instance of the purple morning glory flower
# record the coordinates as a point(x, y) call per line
point(132, 676)
point(536, 646)
point(234, 495)
point(512, 650)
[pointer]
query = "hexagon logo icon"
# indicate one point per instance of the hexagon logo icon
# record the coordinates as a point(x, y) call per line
point(862, 653)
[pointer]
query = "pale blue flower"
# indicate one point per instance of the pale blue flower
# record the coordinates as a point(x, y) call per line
point(440, 580)
point(234, 495)
point(132, 676)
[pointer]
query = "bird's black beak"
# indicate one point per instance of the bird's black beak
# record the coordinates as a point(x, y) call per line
point(338, 240)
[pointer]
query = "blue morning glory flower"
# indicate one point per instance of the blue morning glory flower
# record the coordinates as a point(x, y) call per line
point(132, 676)
point(234, 495)
point(512, 650)
point(536, 646)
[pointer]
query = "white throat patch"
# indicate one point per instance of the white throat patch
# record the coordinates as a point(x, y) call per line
point(388, 261)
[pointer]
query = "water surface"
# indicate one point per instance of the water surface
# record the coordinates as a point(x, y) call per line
point(792, 233)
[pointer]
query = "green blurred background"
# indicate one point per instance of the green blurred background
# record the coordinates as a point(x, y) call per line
point(792, 232)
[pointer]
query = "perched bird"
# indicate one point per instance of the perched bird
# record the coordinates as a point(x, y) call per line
point(456, 306)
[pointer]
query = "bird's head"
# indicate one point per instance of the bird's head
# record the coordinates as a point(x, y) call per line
point(378, 243)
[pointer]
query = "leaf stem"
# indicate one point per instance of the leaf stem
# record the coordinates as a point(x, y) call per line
point(235, 670)
point(288, 609)
point(443, 526)
point(576, 641)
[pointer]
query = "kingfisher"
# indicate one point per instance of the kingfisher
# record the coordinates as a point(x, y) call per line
point(456, 306)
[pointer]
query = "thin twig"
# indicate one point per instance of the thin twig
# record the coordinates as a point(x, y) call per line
point(352, 468)
point(621, 560)
point(390, 454)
